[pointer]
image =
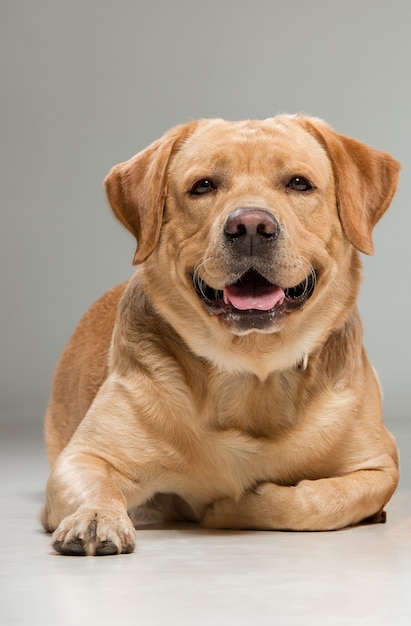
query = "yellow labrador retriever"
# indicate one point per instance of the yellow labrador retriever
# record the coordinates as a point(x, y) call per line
point(226, 382)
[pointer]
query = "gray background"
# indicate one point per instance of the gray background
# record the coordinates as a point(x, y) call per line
point(87, 83)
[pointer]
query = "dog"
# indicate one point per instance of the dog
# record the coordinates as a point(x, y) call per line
point(226, 382)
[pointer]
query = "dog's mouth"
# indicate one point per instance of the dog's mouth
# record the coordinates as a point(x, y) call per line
point(253, 302)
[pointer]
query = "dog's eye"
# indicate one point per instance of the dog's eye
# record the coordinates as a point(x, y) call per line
point(299, 183)
point(205, 185)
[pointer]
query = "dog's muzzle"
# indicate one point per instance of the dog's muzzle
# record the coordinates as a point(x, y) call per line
point(252, 302)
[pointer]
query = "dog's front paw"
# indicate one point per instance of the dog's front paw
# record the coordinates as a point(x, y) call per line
point(221, 514)
point(90, 532)
point(257, 509)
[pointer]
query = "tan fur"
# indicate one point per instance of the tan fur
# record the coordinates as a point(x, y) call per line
point(161, 408)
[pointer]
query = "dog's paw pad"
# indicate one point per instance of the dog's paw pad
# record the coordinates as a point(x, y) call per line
point(378, 518)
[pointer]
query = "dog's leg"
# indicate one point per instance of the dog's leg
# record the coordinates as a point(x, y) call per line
point(324, 504)
point(86, 506)
point(110, 466)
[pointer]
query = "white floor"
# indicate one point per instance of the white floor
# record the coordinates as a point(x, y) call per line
point(185, 575)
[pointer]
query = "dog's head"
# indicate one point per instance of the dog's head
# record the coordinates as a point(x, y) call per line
point(253, 227)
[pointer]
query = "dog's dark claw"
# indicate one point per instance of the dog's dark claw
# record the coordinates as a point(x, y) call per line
point(106, 548)
point(75, 547)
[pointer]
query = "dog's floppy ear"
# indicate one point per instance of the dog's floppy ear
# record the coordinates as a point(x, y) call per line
point(137, 188)
point(365, 179)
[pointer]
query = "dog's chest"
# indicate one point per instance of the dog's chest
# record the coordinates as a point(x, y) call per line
point(259, 410)
point(242, 426)
point(265, 434)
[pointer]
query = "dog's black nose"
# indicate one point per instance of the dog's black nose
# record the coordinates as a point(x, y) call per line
point(251, 229)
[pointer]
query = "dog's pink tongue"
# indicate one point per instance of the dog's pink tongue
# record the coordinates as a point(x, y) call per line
point(260, 298)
